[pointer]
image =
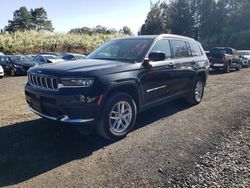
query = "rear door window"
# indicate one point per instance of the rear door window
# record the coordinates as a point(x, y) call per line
point(162, 46)
point(179, 49)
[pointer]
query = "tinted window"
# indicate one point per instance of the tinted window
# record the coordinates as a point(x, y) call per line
point(40, 58)
point(195, 49)
point(179, 49)
point(69, 57)
point(222, 50)
point(162, 46)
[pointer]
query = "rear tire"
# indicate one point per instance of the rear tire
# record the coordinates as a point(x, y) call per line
point(196, 95)
point(227, 68)
point(118, 117)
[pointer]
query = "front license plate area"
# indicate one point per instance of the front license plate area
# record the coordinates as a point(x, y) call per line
point(36, 105)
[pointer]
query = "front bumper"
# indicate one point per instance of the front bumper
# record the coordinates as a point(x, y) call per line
point(64, 119)
point(245, 62)
point(66, 106)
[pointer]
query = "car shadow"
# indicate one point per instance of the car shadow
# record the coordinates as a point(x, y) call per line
point(217, 72)
point(28, 149)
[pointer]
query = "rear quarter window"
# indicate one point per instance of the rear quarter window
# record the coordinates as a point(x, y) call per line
point(195, 49)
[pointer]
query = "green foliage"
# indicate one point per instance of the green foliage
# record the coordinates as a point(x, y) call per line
point(213, 22)
point(40, 20)
point(126, 31)
point(101, 30)
point(181, 20)
point(30, 42)
point(155, 22)
point(24, 20)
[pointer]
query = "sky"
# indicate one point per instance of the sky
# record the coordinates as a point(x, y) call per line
point(66, 15)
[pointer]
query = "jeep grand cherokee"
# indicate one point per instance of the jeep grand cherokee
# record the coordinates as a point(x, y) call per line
point(117, 81)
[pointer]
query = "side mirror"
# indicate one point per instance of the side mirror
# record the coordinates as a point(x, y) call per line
point(157, 56)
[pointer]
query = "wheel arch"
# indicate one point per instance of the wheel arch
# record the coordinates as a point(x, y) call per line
point(129, 87)
point(203, 74)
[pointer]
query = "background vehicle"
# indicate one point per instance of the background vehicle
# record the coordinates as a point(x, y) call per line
point(16, 64)
point(245, 55)
point(71, 56)
point(118, 80)
point(43, 59)
point(58, 54)
point(1, 72)
point(224, 58)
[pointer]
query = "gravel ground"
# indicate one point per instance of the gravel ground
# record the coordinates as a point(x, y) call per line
point(173, 145)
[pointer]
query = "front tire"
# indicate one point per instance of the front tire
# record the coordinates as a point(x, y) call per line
point(196, 95)
point(12, 72)
point(239, 68)
point(118, 117)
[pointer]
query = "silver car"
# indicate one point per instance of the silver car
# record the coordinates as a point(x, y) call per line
point(245, 57)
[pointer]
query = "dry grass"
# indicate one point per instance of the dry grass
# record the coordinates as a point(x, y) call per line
point(31, 42)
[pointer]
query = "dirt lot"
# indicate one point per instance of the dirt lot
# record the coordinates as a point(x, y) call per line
point(174, 145)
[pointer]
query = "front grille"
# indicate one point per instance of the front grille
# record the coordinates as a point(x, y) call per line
point(43, 81)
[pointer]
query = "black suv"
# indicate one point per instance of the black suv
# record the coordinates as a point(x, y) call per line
point(118, 80)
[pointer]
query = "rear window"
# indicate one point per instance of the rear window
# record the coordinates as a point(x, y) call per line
point(195, 49)
point(222, 51)
point(179, 49)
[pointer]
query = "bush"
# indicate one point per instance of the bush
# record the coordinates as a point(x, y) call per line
point(31, 42)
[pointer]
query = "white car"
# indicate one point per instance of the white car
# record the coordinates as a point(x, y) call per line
point(245, 57)
point(1, 72)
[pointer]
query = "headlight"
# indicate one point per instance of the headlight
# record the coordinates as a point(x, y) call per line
point(75, 82)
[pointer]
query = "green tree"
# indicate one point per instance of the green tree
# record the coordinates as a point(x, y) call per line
point(22, 20)
point(181, 20)
point(208, 10)
point(126, 30)
point(29, 20)
point(40, 20)
point(155, 22)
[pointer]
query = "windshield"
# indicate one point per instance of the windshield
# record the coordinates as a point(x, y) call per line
point(244, 53)
point(123, 49)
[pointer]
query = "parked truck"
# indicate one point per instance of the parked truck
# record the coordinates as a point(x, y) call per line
point(224, 58)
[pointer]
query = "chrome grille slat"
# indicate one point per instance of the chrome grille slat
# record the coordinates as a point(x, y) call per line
point(43, 81)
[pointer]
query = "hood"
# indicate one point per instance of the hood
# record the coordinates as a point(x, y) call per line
point(79, 66)
point(246, 56)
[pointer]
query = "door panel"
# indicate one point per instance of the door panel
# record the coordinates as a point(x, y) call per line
point(157, 81)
